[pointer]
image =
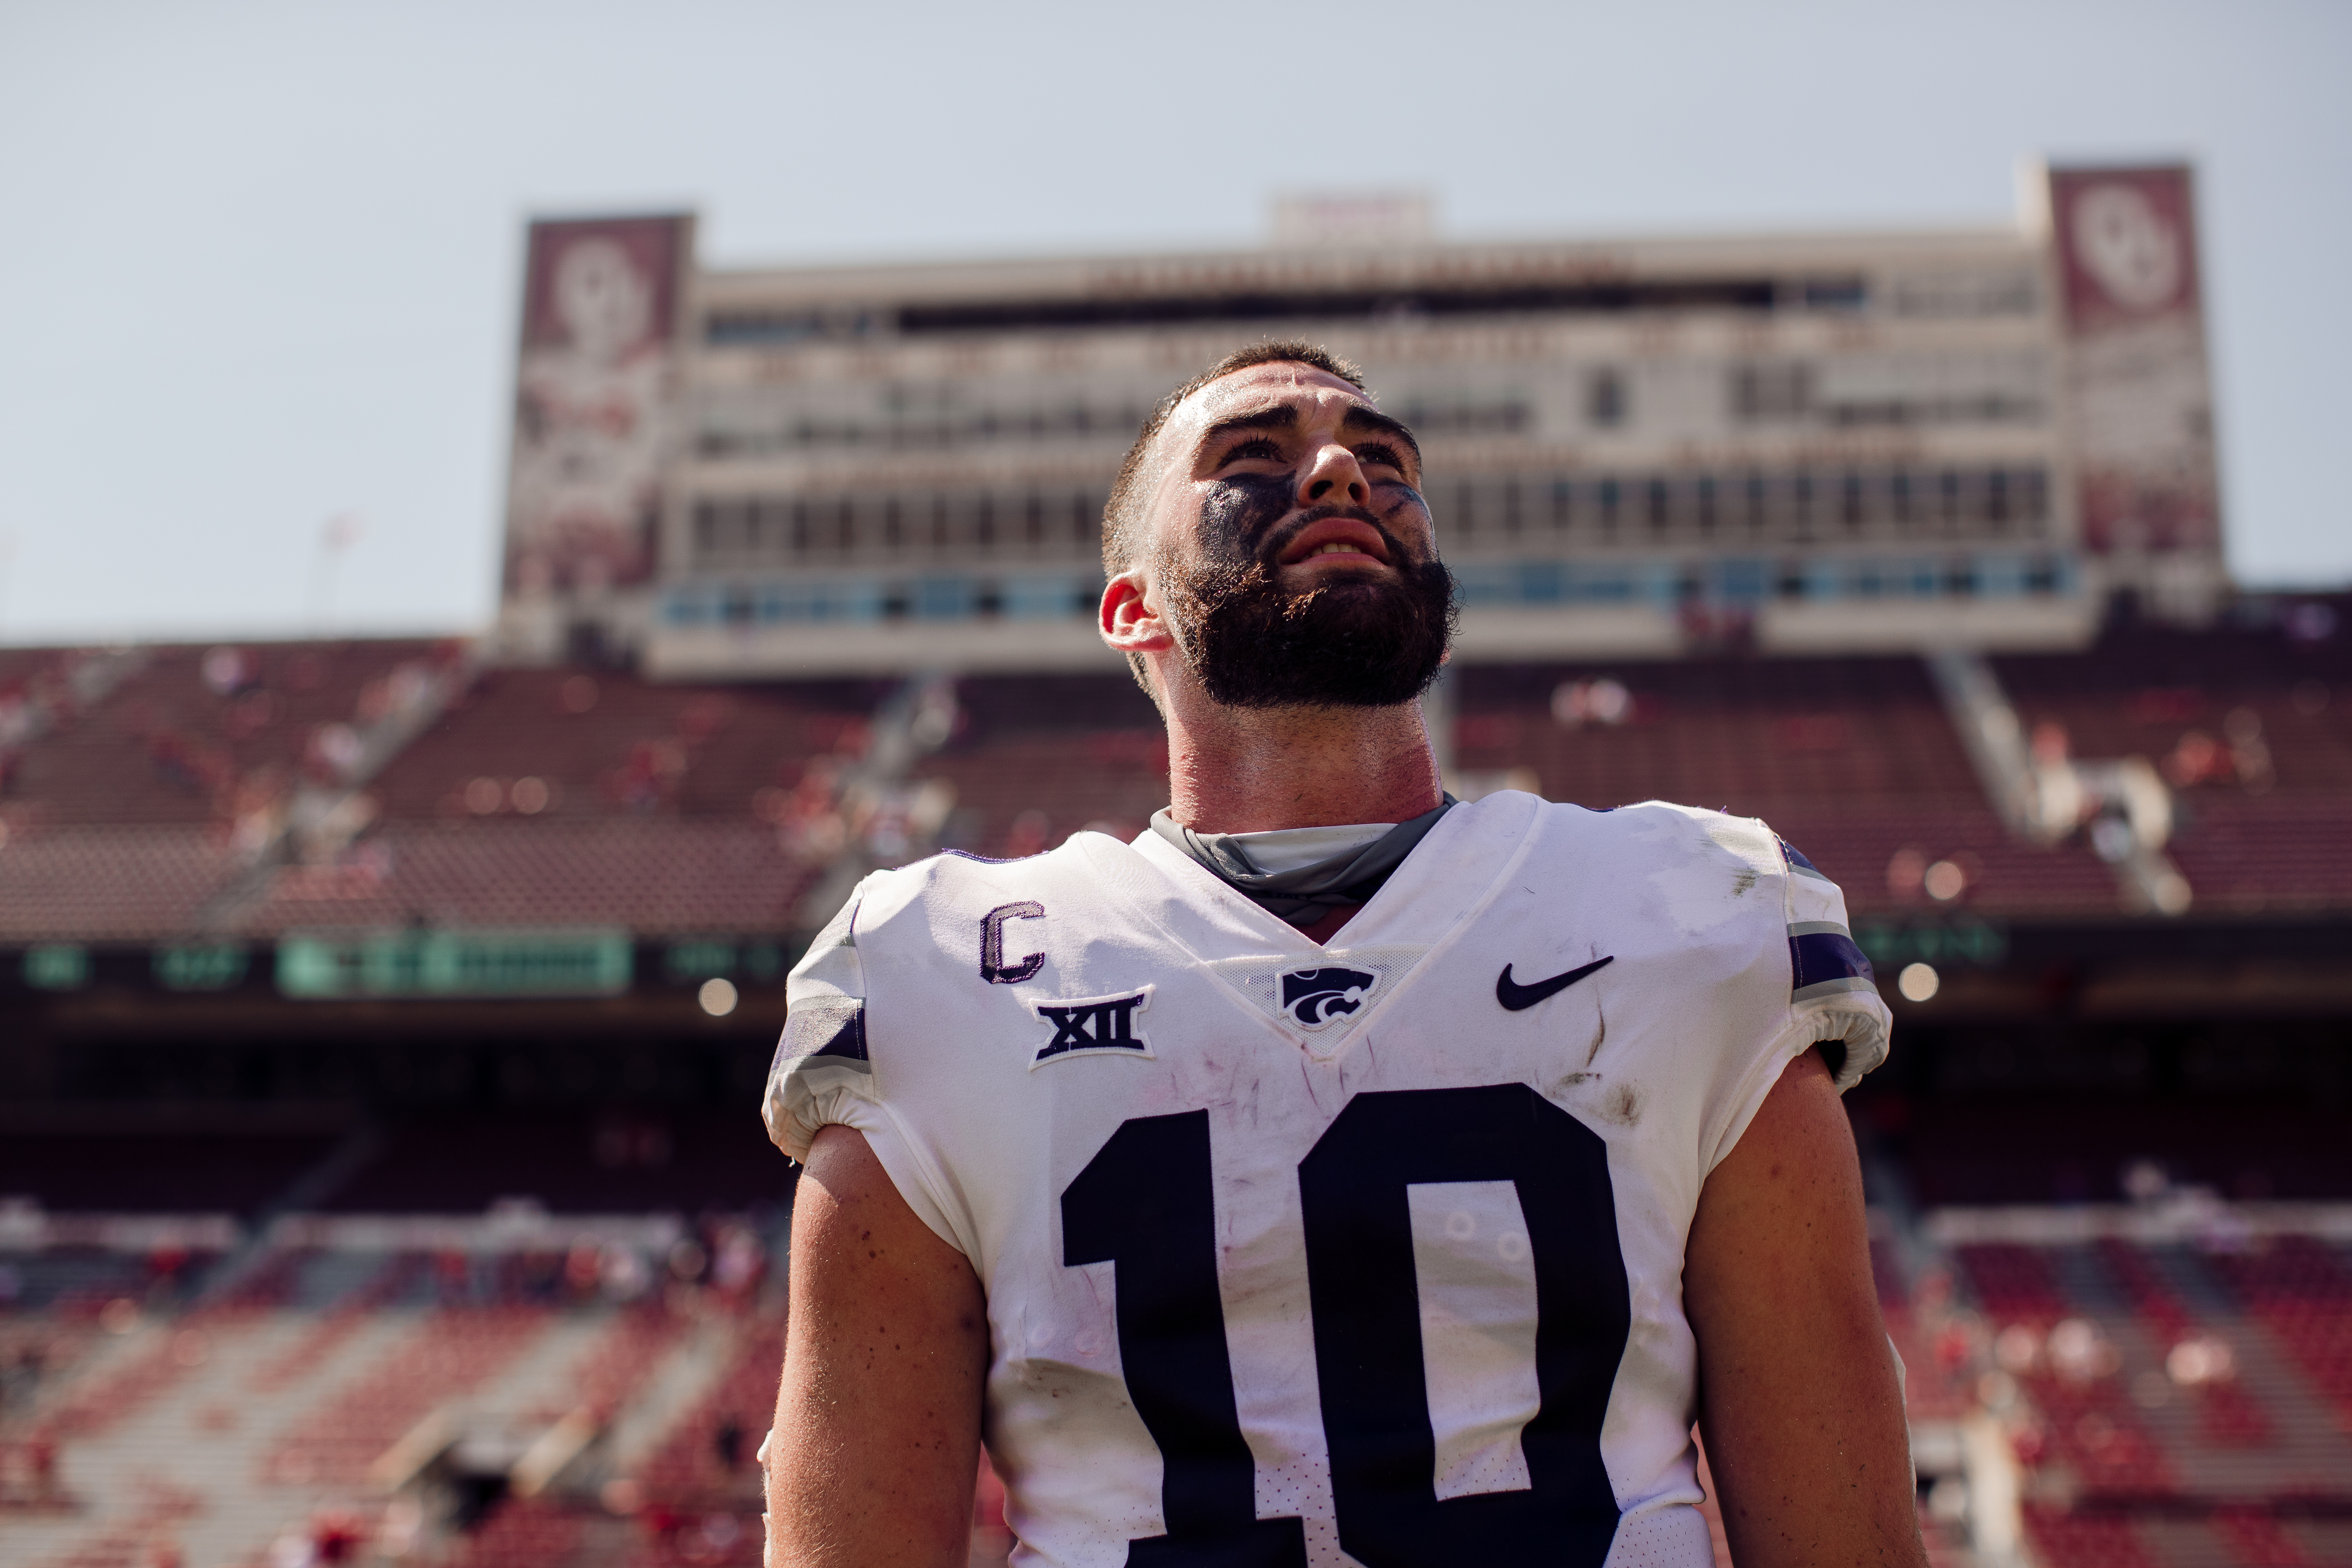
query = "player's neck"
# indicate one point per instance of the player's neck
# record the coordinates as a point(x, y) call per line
point(1253, 770)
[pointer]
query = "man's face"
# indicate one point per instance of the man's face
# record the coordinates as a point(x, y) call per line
point(1290, 548)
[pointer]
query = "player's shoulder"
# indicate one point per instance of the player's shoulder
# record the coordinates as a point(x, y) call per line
point(1687, 849)
point(1663, 833)
point(1667, 829)
point(948, 890)
point(956, 875)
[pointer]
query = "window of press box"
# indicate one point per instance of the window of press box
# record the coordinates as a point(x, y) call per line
point(1606, 400)
point(1771, 390)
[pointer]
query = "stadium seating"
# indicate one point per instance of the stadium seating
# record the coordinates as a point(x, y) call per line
point(124, 819)
point(655, 878)
point(350, 1350)
point(2281, 856)
point(2253, 729)
point(1754, 736)
point(2013, 1283)
point(2089, 1425)
point(2066, 1539)
point(2141, 691)
point(198, 736)
point(446, 1354)
point(70, 1284)
point(528, 1533)
point(541, 797)
point(2227, 1415)
point(344, 1314)
point(607, 1374)
point(605, 744)
point(2259, 1540)
point(2175, 1401)
point(1038, 759)
point(2301, 1291)
point(1854, 760)
point(312, 1364)
point(692, 1471)
point(120, 883)
point(592, 796)
point(127, 1383)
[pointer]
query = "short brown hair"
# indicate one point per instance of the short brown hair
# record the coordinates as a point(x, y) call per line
point(1118, 542)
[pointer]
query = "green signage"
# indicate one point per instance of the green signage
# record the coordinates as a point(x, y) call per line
point(699, 959)
point(1963, 941)
point(56, 966)
point(430, 964)
point(708, 958)
point(200, 966)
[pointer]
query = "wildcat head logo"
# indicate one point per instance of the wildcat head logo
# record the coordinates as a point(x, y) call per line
point(1315, 997)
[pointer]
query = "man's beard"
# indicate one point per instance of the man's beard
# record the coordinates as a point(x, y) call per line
point(1351, 642)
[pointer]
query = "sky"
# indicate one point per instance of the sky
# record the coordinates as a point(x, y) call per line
point(259, 262)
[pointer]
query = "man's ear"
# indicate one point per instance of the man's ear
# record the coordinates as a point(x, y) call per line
point(1130, 620)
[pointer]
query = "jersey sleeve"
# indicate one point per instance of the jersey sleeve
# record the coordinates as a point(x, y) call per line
point(1831, 997)
point(821, 1069)
point(1832, 992)
point(824, 1072)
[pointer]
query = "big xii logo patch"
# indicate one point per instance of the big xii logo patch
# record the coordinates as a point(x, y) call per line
point(1094, 1025)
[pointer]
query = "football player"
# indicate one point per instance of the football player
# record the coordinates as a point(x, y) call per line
point(1337, 1172)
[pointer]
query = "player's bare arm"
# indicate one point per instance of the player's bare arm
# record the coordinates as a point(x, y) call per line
point(877, 1420)
point(1799, 1400)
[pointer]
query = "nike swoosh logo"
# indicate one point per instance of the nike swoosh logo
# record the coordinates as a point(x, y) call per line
point(1519, 997)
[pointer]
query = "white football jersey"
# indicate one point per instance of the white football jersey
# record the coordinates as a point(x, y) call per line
point(1304, 1254)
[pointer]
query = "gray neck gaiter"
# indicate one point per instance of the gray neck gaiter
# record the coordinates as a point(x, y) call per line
point(1308, 894)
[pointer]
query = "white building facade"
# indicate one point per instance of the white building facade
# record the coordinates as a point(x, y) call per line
point(1801, 444)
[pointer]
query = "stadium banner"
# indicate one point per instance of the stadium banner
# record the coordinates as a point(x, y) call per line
point(603, 305)
point(2130, 289)
point(315, 966)
point(363, 963)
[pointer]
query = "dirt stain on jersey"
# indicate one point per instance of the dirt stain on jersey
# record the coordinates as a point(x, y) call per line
point(1308, 1076)
point(1621, 1106)
point(1742, 882)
